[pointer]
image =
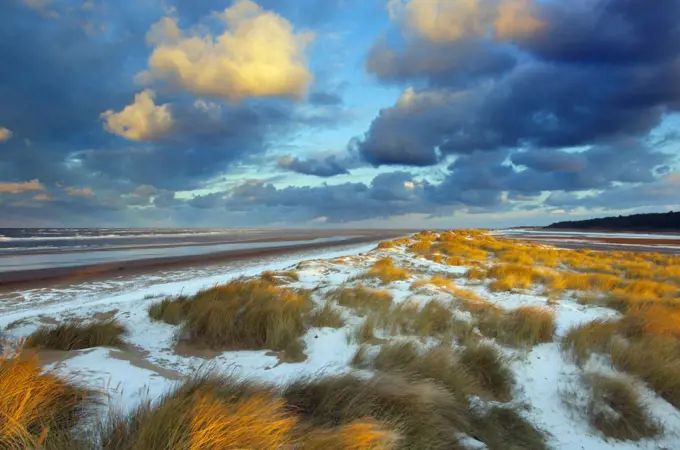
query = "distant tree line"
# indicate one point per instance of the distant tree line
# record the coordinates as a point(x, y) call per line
point(669, 221)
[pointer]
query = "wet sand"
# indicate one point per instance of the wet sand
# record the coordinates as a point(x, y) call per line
point(29, 279)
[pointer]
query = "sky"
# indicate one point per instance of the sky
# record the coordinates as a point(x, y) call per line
point(337, 113)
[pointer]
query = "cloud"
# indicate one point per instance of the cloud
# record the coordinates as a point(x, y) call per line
point(5, 134)
point(142, 120)
point(42, 198)
point(18, 188)
point(258, 54)
point(387, 195)
point(517, 19)
point(446, 21)
point(459, 63)
point(572, 82)
point(329, 166)
point(79, 192)
point(145, 190)
point(663, 192)
point(610, 32)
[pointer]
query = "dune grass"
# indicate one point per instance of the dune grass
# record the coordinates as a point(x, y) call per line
point(583, 340)
point(654, 358)
point(362, 299)
point(425, 414)
point(326, 316)
point(438, 364)
point(76, 336)
point(616, 409)
point(210, 412)
point(280, 277)
point(510, 431)
point(385, 270)
point(170, 310)
point(489, 369)
point(436, 281)
point(37, 408)
point(365, 332)
point(243, 314)
point(420, 247)
point(524, 326)
point(433, 319)
point(480, 370)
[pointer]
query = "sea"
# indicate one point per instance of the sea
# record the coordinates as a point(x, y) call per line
point(34, 240)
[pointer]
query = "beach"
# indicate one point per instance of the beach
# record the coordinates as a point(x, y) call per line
point(428, 272)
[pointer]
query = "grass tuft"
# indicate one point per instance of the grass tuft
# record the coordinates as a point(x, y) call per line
point(357, 435)
point(489, 369)
point(655, 359)
point(582, 340)
point(278, 278)
point(363, 299)
point(76, 336)
point(615, 409)
point(426, 415)
point(243, 314)
point(524, 326)
point(434, 319)
point(37, 408)
point(326, 316)
point(385, 270)
point(438, 364)
point(436, 281)
point(170, 310)
point(503, 428)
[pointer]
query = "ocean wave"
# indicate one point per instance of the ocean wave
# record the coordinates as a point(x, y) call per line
point(84, 235)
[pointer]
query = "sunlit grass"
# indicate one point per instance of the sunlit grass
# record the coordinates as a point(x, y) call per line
point(37, 408)
point(385, 270)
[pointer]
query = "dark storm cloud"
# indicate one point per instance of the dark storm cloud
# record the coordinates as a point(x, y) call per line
point(388, 194)
point(328, 166)
point(615, 80)
point(56, 79)
point(662, 192)
point(480, 179)
point(608, 31)
point(457, 64)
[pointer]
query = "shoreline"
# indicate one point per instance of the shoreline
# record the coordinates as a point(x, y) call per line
point(307, 236)
point(28, 279)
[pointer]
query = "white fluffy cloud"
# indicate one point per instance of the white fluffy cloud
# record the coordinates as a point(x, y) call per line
point(5, 134)
point(143, 120)
point(444, 21)
point(257, 55)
